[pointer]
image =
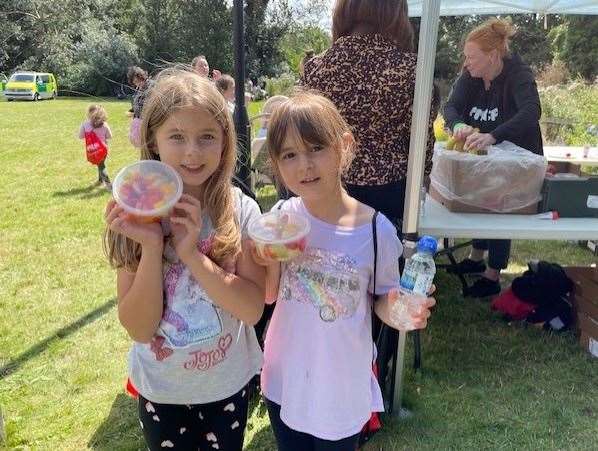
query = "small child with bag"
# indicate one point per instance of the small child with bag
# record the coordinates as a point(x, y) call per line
point(96, 132)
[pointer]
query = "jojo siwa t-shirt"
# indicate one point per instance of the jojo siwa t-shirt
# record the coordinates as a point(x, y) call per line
point(318, 350)
point(199, 353)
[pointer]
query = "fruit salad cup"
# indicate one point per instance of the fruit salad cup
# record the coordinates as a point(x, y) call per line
point(279, 235)
point(147, 190)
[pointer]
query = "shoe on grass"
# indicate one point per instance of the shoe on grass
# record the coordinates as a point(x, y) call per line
point(483, 288)
point(467, 266)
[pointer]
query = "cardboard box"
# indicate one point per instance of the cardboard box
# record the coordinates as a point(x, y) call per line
point(584, 299)
point(460, 207)
point(507, 180)
point(585, 279)
point(589, 334)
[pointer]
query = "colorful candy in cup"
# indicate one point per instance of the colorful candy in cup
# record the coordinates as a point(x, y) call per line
point(147, 189)
point(279, 235)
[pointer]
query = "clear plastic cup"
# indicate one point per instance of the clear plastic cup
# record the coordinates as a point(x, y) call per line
point(279, 235)
point(147, 189)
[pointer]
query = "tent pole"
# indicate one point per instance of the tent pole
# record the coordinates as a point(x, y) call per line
point(428, 35)
point(240, 117)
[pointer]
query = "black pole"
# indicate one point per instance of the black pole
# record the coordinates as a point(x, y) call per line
point(240, 117)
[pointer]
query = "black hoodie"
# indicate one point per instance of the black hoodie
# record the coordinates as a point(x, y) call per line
point(509, 110)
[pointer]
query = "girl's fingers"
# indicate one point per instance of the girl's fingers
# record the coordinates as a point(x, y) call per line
point(190, 225)
point(109, 207)
point(430, 302)
point(420, 324)
point(191, 210)
point(114, 213)
point(192, 200)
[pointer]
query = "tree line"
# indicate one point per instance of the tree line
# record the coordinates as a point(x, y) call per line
point(89, 44)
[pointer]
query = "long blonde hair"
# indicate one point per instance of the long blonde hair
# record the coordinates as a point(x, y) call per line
point(174, 90)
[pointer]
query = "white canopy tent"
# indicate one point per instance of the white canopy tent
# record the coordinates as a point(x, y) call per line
point(430, 11)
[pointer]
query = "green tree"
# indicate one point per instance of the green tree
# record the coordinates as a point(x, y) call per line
point(575, 42)
point(159, 31)
point(207, 34)
point(300, 38)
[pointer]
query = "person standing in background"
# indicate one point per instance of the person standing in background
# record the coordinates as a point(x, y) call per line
point(496, 93)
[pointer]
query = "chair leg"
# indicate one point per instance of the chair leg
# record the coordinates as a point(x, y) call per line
point(417, 356)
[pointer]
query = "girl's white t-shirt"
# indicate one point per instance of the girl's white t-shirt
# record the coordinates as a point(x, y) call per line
point(200, 353)
point(319, 349)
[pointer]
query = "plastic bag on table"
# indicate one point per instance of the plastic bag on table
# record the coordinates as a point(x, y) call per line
point(508, 178)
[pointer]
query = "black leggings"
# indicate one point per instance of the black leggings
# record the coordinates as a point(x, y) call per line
point(498, 252)
point(217, 425)
point(102, 174)
point(288, 439)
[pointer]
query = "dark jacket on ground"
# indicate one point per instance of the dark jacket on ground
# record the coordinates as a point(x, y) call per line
point(509, 110)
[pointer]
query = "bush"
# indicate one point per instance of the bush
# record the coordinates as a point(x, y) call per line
point(554, 74)
point(577, 103)
point(282, 85)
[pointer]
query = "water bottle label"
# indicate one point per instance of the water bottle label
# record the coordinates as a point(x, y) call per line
point(420, 284)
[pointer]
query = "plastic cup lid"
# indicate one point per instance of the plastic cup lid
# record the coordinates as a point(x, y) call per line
point(147, 188)
point(278, 227)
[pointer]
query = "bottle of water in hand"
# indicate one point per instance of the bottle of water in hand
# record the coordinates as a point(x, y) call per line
point(415, 284)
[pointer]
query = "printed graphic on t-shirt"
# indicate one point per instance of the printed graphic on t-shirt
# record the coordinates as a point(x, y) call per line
point(189, 316)
point(483, 115)
point(326, 279)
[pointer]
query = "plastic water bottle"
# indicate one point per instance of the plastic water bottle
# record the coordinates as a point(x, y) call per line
point(415, 283)
point(420, 269)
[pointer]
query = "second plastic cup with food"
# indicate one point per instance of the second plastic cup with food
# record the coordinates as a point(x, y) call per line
point(279, 235)
point(147, 189)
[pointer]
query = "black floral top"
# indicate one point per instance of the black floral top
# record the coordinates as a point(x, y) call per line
point(372, 83)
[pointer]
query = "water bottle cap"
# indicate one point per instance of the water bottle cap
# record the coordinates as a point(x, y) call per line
point(427, 243)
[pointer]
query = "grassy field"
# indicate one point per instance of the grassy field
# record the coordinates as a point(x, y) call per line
point(486, 383)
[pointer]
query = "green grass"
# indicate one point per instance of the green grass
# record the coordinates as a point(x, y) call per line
point(486, 384)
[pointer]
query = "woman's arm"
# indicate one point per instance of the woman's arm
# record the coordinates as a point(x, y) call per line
point(453, 110)
point(140, 298)
point(241, 294)
point(527, 103)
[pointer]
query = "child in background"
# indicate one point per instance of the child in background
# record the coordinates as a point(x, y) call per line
point(188, 291)
point(267, 110)
point(317, 378)
point(226, 86)
point(97, 123)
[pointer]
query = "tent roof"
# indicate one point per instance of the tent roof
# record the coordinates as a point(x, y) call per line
point(466, 8)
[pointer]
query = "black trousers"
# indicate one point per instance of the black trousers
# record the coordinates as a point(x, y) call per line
point(499, 252)
point(288, 439)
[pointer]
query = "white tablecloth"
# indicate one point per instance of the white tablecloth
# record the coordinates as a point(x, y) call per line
point(437, 221)
point(559, 154)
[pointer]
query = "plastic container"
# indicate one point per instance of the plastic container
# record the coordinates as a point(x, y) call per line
point(279, 235)
point(147, 189)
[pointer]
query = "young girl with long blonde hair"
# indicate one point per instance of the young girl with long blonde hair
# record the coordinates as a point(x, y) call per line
point(188, 293)
point(317, 377)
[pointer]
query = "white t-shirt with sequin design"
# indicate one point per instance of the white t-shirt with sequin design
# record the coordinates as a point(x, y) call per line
point(318, 350)
point(200, 353)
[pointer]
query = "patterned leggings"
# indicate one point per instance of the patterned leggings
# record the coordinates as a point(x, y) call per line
point(215, 426)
